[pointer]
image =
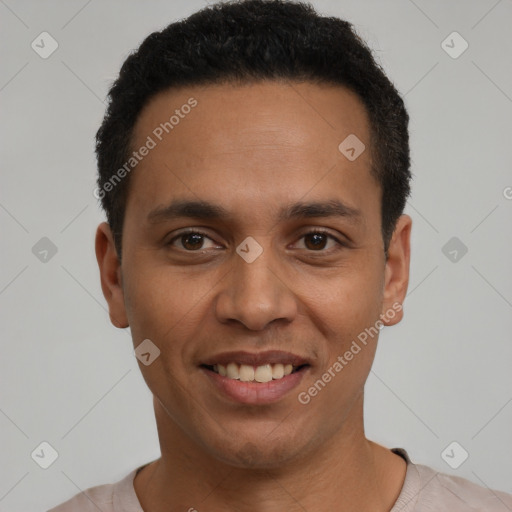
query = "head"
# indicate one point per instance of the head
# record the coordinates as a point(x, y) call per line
point(232, 43)
point(263, 93)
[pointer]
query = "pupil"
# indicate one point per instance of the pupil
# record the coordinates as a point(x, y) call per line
point(319, 240)
point(196, 243)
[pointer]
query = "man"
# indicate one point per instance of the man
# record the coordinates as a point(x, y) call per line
point(254, 167)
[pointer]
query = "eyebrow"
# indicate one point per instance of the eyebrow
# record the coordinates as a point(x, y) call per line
point(204, 210)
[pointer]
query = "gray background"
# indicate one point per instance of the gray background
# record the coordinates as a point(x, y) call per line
point(69, 377)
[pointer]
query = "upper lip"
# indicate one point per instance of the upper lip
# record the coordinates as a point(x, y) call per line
point(256, 359)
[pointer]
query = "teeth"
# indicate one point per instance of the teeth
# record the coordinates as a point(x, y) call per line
point(248, 373)
point(263, 373)
point(277, 371)
point(232, 371)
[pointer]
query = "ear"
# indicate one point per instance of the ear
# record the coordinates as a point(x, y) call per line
point(110, 273)
point(396, 277)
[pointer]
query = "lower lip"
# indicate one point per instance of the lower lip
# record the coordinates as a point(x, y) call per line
point(256, 392)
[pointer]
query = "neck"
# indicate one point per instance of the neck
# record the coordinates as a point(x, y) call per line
point(347, 473)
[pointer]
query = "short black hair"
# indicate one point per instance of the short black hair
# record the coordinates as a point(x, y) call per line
point(247, 41)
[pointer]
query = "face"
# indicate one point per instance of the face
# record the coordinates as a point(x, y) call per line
point(250, 238)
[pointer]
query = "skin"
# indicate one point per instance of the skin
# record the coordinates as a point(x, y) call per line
point(253, 149)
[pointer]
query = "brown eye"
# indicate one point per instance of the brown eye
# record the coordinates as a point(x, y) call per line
point(315, 241)
point(192, 241)
point(320, 241)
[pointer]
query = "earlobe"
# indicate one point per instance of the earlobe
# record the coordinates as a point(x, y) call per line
point(110, 275)
point(396, 279)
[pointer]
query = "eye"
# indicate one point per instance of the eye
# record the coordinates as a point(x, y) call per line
point(191, 240)
point(317, 240)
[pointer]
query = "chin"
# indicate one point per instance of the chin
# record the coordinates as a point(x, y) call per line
point(258, 456)
point(256, 453)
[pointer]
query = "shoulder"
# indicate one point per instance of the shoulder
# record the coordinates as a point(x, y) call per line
point(111, 497)
point(92, 499)
point(459, 493)
point(427, 490)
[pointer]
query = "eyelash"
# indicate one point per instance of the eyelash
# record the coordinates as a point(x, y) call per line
point(315, 231)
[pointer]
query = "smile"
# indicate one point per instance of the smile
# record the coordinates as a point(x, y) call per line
point(249, 373)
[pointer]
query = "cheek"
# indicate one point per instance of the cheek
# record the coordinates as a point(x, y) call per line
point(346, 313)
point(160, 308)
point(169, 307)
point(161, 300)
point(350, 350)
point(350, 299)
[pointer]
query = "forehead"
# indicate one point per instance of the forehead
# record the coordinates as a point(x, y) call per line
point(259, 141)
point(294, 112)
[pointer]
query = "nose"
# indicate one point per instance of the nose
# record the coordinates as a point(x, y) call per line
point(255, 294)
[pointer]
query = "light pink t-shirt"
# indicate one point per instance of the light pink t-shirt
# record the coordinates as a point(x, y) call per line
point(424, 490)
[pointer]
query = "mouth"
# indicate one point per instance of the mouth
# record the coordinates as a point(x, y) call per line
point(251, 373)
point(255, 378)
